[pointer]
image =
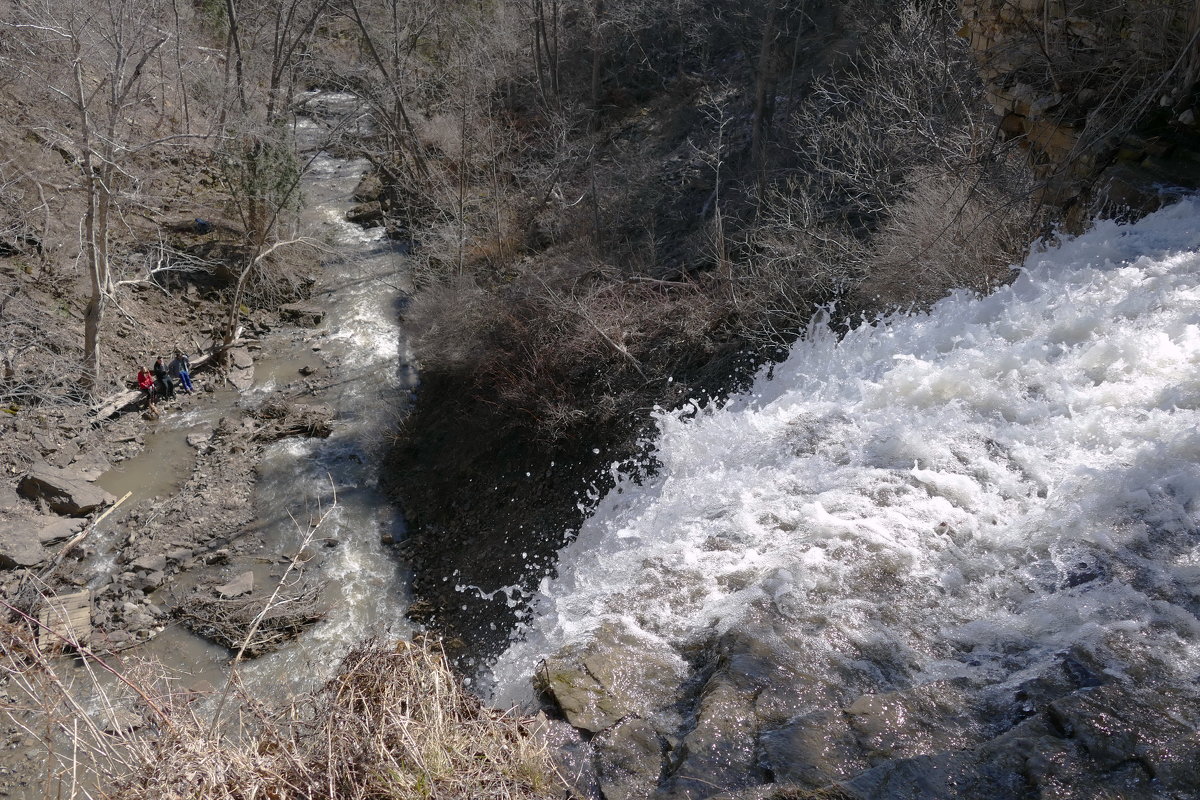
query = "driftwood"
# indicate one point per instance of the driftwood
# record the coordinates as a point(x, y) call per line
point(292, 419)
point(228, 621)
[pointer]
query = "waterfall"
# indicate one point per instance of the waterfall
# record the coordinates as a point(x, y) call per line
point(965, 494)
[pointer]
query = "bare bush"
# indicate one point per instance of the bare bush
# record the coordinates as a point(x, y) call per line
point(947, 233)
point(567, 347)
point(906, 192)
point(38, 359)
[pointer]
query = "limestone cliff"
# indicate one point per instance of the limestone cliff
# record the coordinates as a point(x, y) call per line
point(1103, 94)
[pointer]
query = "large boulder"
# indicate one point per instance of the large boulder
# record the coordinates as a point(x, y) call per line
point(614, 675)
point(65, 491)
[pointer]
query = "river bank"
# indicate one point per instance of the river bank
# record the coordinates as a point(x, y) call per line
point(227, 484)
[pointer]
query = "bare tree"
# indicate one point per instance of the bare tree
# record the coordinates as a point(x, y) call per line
point(93, 61)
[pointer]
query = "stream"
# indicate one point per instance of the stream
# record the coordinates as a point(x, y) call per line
point(360, 287)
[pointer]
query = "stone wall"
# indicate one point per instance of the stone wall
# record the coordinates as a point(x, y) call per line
point(1102, 94)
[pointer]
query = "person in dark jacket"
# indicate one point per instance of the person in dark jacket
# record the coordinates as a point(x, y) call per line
point(166, 385)
point(180, 368)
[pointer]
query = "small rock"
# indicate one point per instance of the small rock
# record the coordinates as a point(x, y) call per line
point(178, 556)
point(198, 439)
point(369, 214)
point(148, 582)
point(307, 370)
point(217, 556)
point(242, 584)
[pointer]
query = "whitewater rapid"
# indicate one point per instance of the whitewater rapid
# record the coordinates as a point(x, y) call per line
point(968, 492)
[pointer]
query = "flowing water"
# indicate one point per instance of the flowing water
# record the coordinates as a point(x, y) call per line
point(966, 494)
point(360, 287)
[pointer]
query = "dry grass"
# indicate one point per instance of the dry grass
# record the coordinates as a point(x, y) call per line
point(394, 723)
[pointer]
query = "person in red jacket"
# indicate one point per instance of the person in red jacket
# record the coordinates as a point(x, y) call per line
point(145, 381)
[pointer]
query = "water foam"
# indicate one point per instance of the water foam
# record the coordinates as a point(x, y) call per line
point(964, 492)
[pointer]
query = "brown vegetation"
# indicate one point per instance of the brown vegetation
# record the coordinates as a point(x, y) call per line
point(394, 722)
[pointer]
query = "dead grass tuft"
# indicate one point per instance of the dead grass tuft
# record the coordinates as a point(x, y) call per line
point(393, 724)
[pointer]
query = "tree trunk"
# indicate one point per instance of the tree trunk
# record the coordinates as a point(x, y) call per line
point(235, 43)
point(597, 62)
point(763, 86)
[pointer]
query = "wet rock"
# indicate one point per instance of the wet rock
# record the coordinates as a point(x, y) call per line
point(114, 721)
point(629, 760)
point(307, 370)
point(19, 545)
point(242, 584)
point(613, 676)
point(719, 752)
point(147, 581)
point(150, 563)
point(55, 530)
point(368, 189)
point(813, 750)
point(64, 491)
point(302, 314)
point(368, 215)
point(939, 776)
point(927, 719)
point(1114, 725)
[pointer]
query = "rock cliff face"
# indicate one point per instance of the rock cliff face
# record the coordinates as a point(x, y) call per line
point(1103, 95)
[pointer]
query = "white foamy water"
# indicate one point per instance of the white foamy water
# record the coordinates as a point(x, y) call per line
point(966, 492)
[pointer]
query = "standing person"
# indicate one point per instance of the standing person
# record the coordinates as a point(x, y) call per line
point(164, 380)
point(181, 368)
point(145, 382)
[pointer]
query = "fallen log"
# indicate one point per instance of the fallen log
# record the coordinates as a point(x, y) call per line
point(124, 401)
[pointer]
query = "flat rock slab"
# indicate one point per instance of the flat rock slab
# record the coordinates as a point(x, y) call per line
point(65, 491)
point(19, 545)
point(242, 584)
point(240, 358)
point(241, 374)
point(302, 314)
point(53, 530)
point(151, 563)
